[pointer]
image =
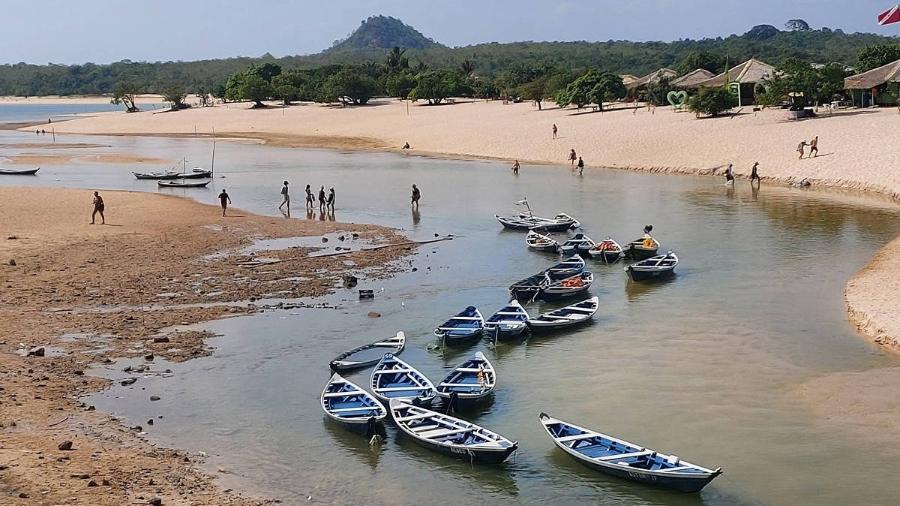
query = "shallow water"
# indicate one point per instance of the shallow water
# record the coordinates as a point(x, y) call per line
point(20, 113)
point(701, 366)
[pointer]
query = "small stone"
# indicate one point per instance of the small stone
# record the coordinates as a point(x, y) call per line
point(149, 357)
point(12, 262)
point(128, 381)
point(11, 238)
point(161, 339)
point(65, 446)
point(92, 483)
point(80, 476)
point(415, 269)
point(154, 397)
point(155, 501)
point(105, 483)
point(137, 428)
point(37, 352)
point(23, 495)
point(324, 239)
point(150, 422)
point(91, 408)
point(374, 314)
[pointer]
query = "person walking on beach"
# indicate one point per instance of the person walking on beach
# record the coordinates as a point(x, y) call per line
point(754, 175)
point(580, 166)
point(729, 174)
point(330, 203)
point(801, 148)
point(515, 168)
point(572, 156)
point(286, 196)
point(310, 200)
point(98, 208)
point(416, 195)
point(555, 130)
point(224, 200)
point(322, 198)
point(814, 147)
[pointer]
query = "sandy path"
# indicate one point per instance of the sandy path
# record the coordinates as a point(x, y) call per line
point(151, 251)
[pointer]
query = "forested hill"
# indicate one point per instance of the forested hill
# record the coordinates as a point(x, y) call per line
point(367, 44)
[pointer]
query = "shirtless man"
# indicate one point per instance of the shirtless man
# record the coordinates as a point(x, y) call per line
point(98, 208)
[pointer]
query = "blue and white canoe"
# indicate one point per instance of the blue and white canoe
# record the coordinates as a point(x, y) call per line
point(569, 316)
point(451, 436)
point(626, 460)
point(510, 322)
point(471, 381)
point(467, 326)
point(567, 268)
point(393, 378)
point(368, 354)
point(351, 406)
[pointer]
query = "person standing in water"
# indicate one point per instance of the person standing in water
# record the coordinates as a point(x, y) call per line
point(515, 168)
point(286, 196)
point(224, 200)
point(330, 203)
point(580, 166)
point(416, 195)
point(555, 130)
point(572, 156)
point(729, 174)
point(310, 200)
point(322, 198)
point(754, 175)
point(814, 147)
point(99, 206)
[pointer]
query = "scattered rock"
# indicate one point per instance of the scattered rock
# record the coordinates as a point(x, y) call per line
point(36, 352)
point(155, 501)
point(149, 357)
point(91, 408)
point(137, 428)
point(80, 476)
point(374, 314)
point(150, 422)
point(415, 269)
point(92, 483)
point(128, 381)
point(340, 238)
point(105, 483)
point(355, 235)
point(23, 495)
point(324, 239)
point(11, 238)
point(154, 397)
point(161, 339)
point(65, 446)
point(12, 262)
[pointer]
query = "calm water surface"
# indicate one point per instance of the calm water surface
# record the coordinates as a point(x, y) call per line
point(702, 366)
point(19, 113)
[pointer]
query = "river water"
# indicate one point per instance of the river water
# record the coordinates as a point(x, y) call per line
point(703, 366)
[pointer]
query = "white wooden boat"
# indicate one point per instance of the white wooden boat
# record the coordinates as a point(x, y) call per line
point(579, 243)
point(568, 287)
point(567, 268)
point(510, 322)
point(539, 242)
point(465, 327)
point(351, 406)
point(368, 354)
point(626, 460)
point(656, 267)
point(393, 378)
point(468, 382)
point(574, 314)
point(451, 436)
point(607, 250)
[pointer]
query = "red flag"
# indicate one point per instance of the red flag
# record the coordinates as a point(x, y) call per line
point(889, 16)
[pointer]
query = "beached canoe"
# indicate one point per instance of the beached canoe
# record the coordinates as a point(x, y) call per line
point(19, 172)
point(393, 378)
point(368, 354)
point(657, 267)
point(626, 460)
point(469, 382)
point(351, 406)
point(451, 436)
point(569, 316)
point(467, 326)
point(510, 322)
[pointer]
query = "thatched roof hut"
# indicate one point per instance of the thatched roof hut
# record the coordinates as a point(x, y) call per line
point(751, 71)
point(692, 79)
point(652, 78)
point(874, 78)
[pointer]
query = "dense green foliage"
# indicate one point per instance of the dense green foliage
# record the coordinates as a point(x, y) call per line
point(804, 83)
point(875, 56)
point(124, 93)
point(482, 61)
point(594, 87)
point(712, 101)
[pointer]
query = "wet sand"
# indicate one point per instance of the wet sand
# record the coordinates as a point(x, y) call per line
point(89, 282)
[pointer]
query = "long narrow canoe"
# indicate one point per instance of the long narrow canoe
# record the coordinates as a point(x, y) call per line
point(510, 322)
point(18, 172)
point(393, 378)
point(368, 354)
point(575, 314)
point(451, 436)
point(626, 460)
point(465, 327)
point(471, 381)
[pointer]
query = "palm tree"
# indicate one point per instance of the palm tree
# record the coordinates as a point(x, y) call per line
point(396, 60)
point(468, 67)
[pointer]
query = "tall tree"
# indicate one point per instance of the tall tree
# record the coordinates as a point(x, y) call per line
point(594, 87)
point(796, 25)
point(253, 87)
point(124, 94)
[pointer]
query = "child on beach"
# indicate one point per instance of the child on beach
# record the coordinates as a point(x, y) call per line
point(224, 199)
point(98, 208)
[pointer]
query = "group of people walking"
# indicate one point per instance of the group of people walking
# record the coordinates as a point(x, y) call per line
point(326, 202)
point(754, 174)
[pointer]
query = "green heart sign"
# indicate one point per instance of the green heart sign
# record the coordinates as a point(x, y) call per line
point(677, 98)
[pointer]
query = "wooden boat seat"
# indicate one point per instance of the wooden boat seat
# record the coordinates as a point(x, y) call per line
point(389, 371)
point(410, 418)
point(575, 437)
point(470, 369)
point(621, 456)
point(358, 408)
point(432, 434)
point(342, 394)
point(422, 428)
point(400, 388)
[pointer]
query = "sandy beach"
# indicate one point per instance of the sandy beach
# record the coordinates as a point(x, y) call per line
point(63, 276)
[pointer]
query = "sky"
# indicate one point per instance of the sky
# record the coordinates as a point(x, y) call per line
point(103, 31)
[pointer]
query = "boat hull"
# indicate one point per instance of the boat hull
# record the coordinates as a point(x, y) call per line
point(501, 334)
point(690, 484)
point(640, 253)
point(460, 338)
point(11, 172)
point(477, 456)
point(642, 275)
